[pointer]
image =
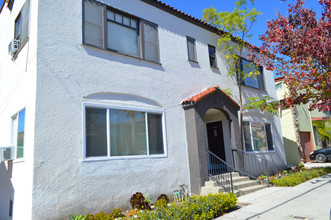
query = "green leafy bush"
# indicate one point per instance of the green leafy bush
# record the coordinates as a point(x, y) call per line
point(102, 216)
point(116, 213)
point(195, 207)
point(163, 196)
point(77, 217)
point(160, 203)
point(296, 178)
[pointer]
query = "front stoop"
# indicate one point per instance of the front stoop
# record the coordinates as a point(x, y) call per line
point(242, 185)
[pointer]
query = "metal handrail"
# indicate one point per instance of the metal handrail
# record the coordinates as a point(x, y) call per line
point(246, 173)
point(220, 172)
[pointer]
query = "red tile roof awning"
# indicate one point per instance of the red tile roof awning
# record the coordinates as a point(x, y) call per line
point(195, 99)
point(281, 78)
point(320, 118)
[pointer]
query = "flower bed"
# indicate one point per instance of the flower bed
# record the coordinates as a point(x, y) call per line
point(194, 207)
point(296, 176)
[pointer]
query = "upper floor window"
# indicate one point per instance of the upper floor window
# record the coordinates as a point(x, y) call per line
point(18, 128)
point(252, 79)
point(111, 29)
point(212, 56)
point(257, 136)
point(191, 49)
point(279, 86)
point(21, 31)
point(112, 132)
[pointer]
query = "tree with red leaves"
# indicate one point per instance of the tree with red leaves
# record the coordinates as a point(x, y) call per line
point(298, 46)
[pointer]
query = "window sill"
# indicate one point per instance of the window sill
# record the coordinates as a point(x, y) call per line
point(110, 52)
point(260, 152)
point(261, 90)
point(214, 67)
point(20, 48)
point(93, 159)
point(193, 61)
point(20, 160)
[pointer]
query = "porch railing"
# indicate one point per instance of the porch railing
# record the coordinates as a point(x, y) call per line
point(250, 165)
point(220, 172)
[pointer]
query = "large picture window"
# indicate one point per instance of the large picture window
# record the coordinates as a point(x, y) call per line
point(257, 136)
point(18, 127)
point(249, 77)
point(113, 132)
point(108, 28)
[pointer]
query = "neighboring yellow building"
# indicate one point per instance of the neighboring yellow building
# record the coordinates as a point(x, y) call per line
point(298, 127)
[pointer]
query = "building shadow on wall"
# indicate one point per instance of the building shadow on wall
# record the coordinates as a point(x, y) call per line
point(291, 152)
point(6, 191)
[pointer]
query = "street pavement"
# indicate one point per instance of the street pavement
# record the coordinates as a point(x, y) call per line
point(308, 201)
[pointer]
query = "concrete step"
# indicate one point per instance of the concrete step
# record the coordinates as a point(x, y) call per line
point(250, 189)
point(211, 183)
point(220, 176)
point(244, 184)
point(205, 190)
point(238, 179)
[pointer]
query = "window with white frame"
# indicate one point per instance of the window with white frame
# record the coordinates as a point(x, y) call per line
point(117, 31)
point(191, 49)
point(18, 124)
point(279, 86)
point(111, 132)
point(252, 74)
point(21, 32)
point(257, 136)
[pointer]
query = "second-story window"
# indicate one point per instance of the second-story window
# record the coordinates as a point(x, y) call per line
point(191, 49)
point(122, 33)
point(212, 56)
point(21, 31)
point(252, 79)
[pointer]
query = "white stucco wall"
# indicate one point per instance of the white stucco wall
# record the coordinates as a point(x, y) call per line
point(68, 73)
point(17, 91)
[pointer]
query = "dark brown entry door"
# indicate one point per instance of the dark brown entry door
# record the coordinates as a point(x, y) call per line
point(216, 139)
point(306, 145)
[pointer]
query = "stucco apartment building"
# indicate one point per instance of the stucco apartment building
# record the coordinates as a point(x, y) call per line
point(300, 127)
point(101, 99)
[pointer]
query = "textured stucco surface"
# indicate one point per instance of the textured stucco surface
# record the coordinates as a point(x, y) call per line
point(17, 91)
point(70, 74)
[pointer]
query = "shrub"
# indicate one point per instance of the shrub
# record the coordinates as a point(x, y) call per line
point(138, 201)
point(102, 216)
point(160, 203)
point(294, 179)
point(116, 213)
point(195, 207)
point(163, 196)
point(89, 217)
point(77, 217)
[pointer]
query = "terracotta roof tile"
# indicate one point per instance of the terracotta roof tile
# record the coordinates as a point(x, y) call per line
point(281, 78)
point(194, 99)
point(190, 18)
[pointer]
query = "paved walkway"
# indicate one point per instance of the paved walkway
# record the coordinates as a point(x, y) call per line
point(310, 200)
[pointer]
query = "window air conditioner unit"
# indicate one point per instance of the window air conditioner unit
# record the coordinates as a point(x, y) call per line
point(7, 153)
point(13, 46)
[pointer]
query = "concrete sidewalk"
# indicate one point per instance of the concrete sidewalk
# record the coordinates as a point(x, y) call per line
point(309, 200)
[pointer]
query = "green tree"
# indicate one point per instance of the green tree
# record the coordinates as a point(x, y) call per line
point(323, 129)
point(234, 28)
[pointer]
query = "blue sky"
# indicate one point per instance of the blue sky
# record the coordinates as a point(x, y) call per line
point(269, 8)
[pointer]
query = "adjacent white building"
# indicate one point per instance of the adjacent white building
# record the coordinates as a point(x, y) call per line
point(102, 99)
